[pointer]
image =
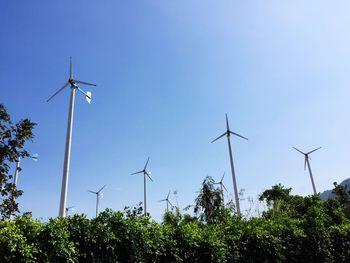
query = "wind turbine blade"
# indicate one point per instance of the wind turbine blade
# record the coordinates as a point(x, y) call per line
point(101, 189)
point(162, 200)
point(299, 150)
point(223, 186)
point(170, 203)
point(227, 125)
point(314, 150)
point(222, 178)
point(149, 177)
point(146, 164)
point(92, 192)
point(305, 162)
point(62, 88)
point(70, 68)
point(222, 135)
point(84, 83)
point(238, 135)
point(168, 195)
point(137, 172)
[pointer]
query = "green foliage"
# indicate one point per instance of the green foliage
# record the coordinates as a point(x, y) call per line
point(12, 140)
point(301, 229)
point(209, 201)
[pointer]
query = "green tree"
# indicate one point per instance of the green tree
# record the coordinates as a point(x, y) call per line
point(12, 140)
point(209, 201)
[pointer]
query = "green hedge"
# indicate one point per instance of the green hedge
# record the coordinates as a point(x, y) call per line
point(116, 237)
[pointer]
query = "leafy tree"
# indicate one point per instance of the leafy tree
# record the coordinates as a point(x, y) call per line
point(275, 195)
point(209, 201)
point(12, 140)
point(342, 195)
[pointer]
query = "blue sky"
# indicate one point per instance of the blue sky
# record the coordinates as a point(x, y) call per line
point(167, 72)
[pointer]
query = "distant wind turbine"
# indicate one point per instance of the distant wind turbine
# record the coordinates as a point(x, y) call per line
point(167, 202)
point(145, 175)
point(228, 133)
point(98, 195)
point(222, 186)
point(306, 155)
point(73, 85)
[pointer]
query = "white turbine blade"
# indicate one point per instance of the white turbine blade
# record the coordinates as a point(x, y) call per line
point(70, 68)
point(222, 178)
point(299, 150)
point(146, 164)
point(162, 200)
point(223, 186)
point(314, 150)
point(88, 96)
point(168, 195)
point(149, 176)
point(170, 203)
point(84, 83)
point(137, 172)
point(238, 135)
point(101, 189)
point(227, 125)
point(62, 88)
point(92, 192)
point(305, 162)
point(219, 137)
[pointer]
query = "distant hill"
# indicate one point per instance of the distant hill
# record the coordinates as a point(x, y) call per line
point(328, 193)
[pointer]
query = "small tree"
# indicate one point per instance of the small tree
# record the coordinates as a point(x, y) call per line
point(342, 195)
point(12, 140)
point(209, 201)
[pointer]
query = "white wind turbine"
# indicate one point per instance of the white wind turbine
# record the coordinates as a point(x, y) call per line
point(306, 155)
point(222, 186)
point(98, 195)
point(145, 175)
point(228, 133)
point(167, 202)
point(73, 85)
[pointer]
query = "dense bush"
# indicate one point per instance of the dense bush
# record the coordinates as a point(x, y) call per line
point(308, 235)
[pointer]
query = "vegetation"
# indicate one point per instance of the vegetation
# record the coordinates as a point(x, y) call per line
point(12, 140)
point(298, 229)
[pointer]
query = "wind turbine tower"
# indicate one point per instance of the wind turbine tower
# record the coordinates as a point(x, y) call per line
point(73, 85)
point(306, 155)
point(98, 195)
point(145, 175)
point(228, 133)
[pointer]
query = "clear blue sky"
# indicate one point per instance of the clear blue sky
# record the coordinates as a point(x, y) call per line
point(167, 72)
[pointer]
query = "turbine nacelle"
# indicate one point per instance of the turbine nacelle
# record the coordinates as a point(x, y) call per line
point(73, 84)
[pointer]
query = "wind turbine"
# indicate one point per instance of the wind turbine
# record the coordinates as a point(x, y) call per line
point(308, 165)
point(97, 197)
point(73, 85)
point(228, 133)
point(167, 202)
point(145, 175)
point(222, 186)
